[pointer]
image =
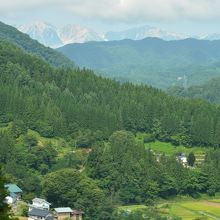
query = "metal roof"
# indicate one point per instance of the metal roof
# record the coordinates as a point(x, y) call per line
point(50, 217)
point(38, 212)
point(63, 210)
point(39, 200)
point(13, 188)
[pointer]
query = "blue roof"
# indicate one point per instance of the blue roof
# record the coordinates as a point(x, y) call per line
point(13, 188)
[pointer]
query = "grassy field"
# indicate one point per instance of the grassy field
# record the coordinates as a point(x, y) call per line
point(169, 149)
point(187, 209)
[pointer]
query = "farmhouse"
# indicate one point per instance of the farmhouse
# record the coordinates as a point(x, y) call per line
point(14, 193)
point(63, 213)
point(68, 213)
point(40, 214)
point(39, 203)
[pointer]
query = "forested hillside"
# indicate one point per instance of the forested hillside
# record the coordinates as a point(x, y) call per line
point(58, 102)
point(62, 137)
point(53, 57)
point(209, 91)
point(150, 61)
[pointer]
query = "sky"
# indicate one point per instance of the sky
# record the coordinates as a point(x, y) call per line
point(183, 16)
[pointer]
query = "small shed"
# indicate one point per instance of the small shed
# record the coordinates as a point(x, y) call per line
point(63, 213)
point(77, 215)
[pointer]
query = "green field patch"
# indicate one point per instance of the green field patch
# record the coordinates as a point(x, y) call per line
point(184, 213)
point(203, 206)
point(169, 149)
point(131, 207)
point(59, 144)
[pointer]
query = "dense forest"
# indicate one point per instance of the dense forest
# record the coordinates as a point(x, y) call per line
point(150, 61)
point(209, 91)
point(60, 102)
point(100, 116)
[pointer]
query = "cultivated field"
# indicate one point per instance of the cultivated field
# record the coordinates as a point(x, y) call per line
point(205, 209)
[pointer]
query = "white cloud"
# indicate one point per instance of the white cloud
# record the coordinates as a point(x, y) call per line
point(121, 10)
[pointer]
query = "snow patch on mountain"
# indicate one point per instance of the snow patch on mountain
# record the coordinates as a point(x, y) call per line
point(78, 34)
point(54, 37)
point(140, 33)
point(43, 32)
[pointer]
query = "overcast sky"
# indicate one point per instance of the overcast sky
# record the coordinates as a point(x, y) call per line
point(186, 16)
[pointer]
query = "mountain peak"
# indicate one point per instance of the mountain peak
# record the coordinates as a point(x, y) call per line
point(43, 32)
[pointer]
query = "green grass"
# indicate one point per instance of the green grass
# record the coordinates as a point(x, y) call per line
point(182, 212)
point(59, 144)
point(131, 207)
point(169, 149)
point(198, 207)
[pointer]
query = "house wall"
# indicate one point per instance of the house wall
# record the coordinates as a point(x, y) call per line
point(35, 218)
point(63, 216)
point(77, 217)
point(41, 205)
point(9, 200)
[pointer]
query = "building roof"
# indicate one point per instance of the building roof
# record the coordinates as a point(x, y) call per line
point(38, 212)
point(50, 217)
point(13, 195)
point(77, 212)
point(13, 188)
point(39, 200)
point(63, 210)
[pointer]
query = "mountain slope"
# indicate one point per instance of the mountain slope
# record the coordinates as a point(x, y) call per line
point(151, 61)
point(54, 37)
point(59, 102)
point(77, 34)
point(55, 58)
point(209, 91)
point(44, 33)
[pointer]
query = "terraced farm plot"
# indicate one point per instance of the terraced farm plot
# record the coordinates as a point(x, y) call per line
point(196, 209)
point(187, 210)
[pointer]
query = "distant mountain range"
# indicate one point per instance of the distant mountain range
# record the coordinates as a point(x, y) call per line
point(140, 33)
point(11, 34)
point(52, 36)
point(150, 61)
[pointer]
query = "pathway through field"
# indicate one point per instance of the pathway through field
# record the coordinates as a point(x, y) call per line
point(208, 215)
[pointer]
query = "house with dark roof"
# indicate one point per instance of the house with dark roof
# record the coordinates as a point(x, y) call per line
point(14, 193)
point(40, 214)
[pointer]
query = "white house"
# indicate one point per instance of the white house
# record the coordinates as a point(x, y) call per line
point(39, 203)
